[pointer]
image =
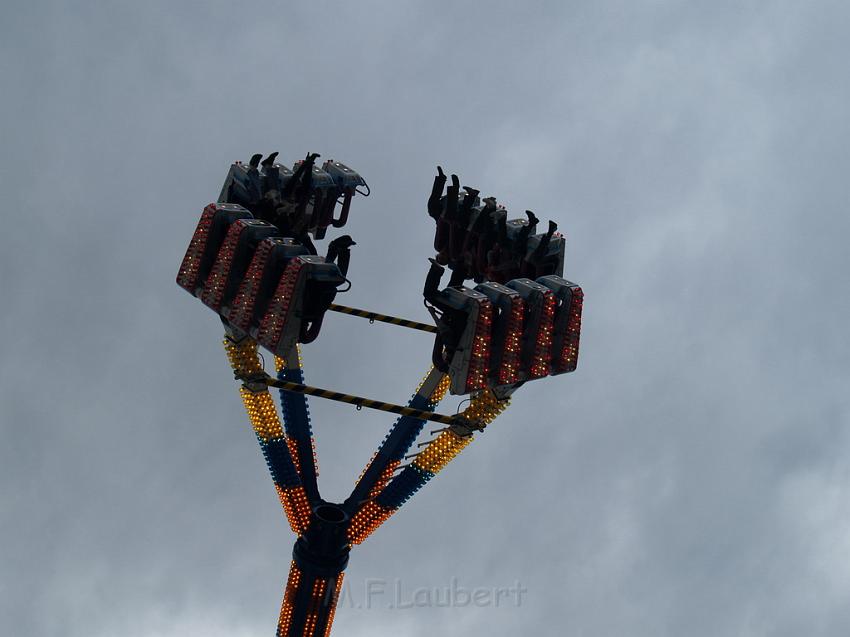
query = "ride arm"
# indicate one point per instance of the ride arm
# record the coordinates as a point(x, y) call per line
point(296, 423)
point(245, 361)
point(398, 441)
point(483, 409)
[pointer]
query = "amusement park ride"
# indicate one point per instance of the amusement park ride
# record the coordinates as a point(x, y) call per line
point(253, 261)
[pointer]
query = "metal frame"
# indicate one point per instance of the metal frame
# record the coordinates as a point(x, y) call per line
point(326, 531)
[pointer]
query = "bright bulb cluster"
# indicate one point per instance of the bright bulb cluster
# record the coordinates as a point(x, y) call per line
point(242, 308)
point(512, 348)
point(484, 407)
point(569, 351)
point(366, 520)
point(297, 507)
point(476, 376)
point(314, 603)
point(441, 451)
point(272, 324)
point(217, 280)
point(262, 413)
point(187, 276)
point(543, 343)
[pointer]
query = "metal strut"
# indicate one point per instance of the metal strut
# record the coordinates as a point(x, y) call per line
point(383, 318)
point(258, 380)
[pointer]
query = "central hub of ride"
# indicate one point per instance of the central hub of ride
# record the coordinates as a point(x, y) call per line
point(323, 549)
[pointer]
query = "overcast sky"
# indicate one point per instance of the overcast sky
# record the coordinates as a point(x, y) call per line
point(690, 479)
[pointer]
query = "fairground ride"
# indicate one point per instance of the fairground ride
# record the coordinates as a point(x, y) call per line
point(253, 261)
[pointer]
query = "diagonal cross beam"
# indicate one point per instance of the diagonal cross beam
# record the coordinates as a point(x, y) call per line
point(383, 318)
point(351, 399)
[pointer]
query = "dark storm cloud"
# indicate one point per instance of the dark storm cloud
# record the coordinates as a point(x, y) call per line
point(690, 478)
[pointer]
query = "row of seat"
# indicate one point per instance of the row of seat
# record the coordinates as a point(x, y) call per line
point(299, 200)
point(270, 287)
point(476, 240)
point(496, 335)
point(261, 283)
point(266, 281)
